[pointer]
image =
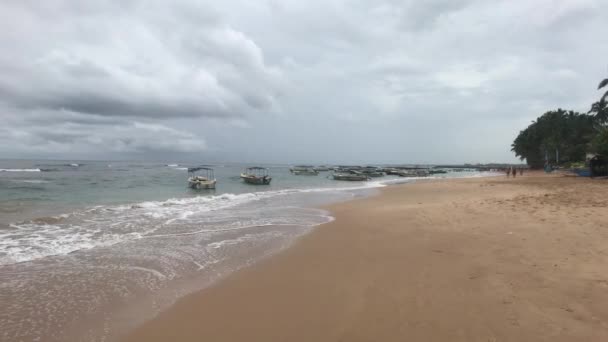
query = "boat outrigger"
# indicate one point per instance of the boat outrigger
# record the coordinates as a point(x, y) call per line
point(350, 176)
point(414, 173)
point(256, 175)
point(303, 170)
point(198, 181)
point(371, 171)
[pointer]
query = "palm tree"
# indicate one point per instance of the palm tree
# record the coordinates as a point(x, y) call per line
point(600, 108)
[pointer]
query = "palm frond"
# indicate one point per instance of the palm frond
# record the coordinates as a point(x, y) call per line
point(603, 83)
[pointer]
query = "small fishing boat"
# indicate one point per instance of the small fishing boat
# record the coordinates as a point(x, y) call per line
point(582, 172)
point(256, 175)
point(392, 171)
point(414, 173)
point(435, 172)
point(198, 181)
point(303, 170)
point(321, 168)
point(352, 176)
point(373, 172)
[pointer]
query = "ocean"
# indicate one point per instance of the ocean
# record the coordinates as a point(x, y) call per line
point(88, 249)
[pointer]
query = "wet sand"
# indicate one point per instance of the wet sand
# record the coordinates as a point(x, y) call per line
point(490, 259)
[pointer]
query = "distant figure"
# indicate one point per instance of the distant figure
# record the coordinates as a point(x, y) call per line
point(514, 172)
point(521, 171)
point(508, 172)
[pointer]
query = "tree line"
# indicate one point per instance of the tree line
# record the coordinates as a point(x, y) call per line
point(565, 136)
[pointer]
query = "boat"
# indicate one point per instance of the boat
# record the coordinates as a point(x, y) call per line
point(413, 173)
point(197, 181)
point(434, 172)
point(321, 168)
point(582, 172)
point(373, 172)
point(303, 170)
point(350, 176)
point(392, 171)
point(256, 175)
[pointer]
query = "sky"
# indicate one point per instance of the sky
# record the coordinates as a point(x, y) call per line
point(331, 81)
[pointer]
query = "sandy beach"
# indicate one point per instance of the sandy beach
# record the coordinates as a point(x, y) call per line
point(486, 259)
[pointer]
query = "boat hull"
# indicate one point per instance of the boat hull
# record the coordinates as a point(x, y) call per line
point(350, 178)
point(201, 185)
point(254, 180)
point(375, 174)
point(305, 173)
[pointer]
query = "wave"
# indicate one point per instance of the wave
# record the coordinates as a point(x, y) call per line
point(31, 181)
point(103, 226)
point(176, 167)
point(20, 170)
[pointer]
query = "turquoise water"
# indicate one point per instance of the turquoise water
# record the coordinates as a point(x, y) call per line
point(85, 244)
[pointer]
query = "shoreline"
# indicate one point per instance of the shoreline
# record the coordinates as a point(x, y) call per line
point(482, 259)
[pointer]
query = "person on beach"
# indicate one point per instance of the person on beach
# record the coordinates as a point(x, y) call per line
point(514, 172)
point(508, 172)
point(521, 171)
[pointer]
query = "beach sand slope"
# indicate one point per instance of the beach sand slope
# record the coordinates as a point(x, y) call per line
point(488, 259)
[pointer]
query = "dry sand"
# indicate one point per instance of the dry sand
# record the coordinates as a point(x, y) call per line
point(490, 259)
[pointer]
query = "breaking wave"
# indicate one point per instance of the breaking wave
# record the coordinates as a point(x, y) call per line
point(20, 170)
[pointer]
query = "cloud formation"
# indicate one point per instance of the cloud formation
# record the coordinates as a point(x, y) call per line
point(397, 81)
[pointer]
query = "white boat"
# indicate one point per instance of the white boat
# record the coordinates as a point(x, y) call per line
point(197, 181)
point(256, 175)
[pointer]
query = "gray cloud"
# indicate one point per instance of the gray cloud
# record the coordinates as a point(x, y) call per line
point(135, 64)
point(315, 81)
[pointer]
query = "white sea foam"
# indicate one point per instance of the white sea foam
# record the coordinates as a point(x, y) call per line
point(20, 170)
point(104, 226)
point(31, 181)
point(172, 165)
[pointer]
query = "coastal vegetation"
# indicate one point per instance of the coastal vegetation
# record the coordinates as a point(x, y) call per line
point(565, 136)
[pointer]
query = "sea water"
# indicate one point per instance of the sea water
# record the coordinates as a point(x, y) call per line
point(90, 248)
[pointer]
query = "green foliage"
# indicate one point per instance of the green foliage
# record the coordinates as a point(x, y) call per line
point(600, 108)
point(572, 134)
point(576, 165)
point(600, 141)
point(568, 132)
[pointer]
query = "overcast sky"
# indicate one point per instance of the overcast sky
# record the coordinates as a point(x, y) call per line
point(292, 81)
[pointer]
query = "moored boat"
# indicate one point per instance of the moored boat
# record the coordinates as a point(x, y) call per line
point(582, 172)
point(350, 176)
point(197, 181)
point(256, 175)
point(373, 171)
point(413, 173)
point(303, 170)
